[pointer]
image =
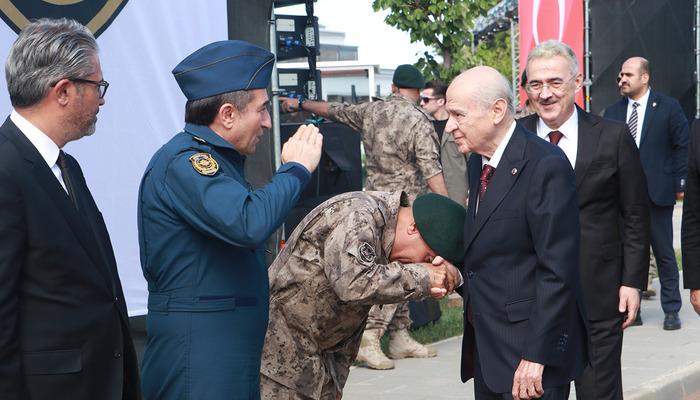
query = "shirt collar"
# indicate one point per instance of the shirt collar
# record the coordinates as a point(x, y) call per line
point(207, 135)
point(642, 100)
point(569, 128)
point(46, 147)
point(496, 158)
point(400, 97)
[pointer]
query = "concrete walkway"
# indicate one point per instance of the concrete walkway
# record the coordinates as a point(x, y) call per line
point(657, 364)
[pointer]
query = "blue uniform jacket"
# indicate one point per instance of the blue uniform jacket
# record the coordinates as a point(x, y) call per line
point(202, 252)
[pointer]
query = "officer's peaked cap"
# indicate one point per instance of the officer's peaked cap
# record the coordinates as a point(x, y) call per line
point(222, 67)
point(440, 222)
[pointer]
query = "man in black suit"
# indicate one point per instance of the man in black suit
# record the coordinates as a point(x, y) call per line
point(64, 331)
point(525, 334)
point(690, 227)
point(612, 203)
point(660, 131)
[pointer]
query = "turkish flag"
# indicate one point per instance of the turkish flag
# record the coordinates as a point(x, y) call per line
point(542, 20)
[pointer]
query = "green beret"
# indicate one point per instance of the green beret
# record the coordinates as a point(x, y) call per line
point(440, 222)
point(408, 76)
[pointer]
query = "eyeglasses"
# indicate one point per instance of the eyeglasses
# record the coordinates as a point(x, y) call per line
point(554, 85)
point(426, 100)
point(101, 85)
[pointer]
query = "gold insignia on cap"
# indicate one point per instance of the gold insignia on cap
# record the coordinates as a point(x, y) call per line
point(204, 164)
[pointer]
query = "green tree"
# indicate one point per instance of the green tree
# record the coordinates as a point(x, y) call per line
point(445, 26)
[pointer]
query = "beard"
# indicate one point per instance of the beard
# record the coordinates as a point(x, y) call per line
point(86, 123)
point(90, 130)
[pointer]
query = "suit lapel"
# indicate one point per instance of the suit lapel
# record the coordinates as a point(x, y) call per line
point(507, 173)
point(530, 123)
point(649, 114)
point(54, 191)
point(588, 137)
point(619, 110)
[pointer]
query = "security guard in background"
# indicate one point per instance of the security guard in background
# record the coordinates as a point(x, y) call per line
point(202, 229)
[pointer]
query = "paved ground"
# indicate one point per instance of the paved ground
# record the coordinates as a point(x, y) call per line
point(657, 364)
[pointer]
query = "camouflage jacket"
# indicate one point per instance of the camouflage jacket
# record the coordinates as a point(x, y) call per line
point(334, 267)
point(400, 143)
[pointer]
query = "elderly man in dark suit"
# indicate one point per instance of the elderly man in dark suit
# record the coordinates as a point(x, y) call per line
point(613, 207)
point(64, 330)
point(660, 131)
point(525, 334)
point(690, 228)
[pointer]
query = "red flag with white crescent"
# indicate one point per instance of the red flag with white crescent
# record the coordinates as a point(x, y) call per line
point(542, 20)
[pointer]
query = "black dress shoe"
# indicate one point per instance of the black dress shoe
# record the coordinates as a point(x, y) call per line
point(672, 322)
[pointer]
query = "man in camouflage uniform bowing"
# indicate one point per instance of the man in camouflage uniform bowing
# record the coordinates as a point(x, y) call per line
point(403, 153)
point(356, 250)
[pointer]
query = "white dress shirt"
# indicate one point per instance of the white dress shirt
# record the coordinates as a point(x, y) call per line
point(46, 147)
point(641, 110)
point(569, 140)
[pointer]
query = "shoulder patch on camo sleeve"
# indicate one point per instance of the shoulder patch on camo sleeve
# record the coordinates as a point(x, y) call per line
point(367, 253)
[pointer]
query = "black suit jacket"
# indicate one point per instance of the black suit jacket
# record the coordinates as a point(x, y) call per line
point(613, 210)
point(690, 227)
point(663, 146)
point(63, 323)
point(523, 289)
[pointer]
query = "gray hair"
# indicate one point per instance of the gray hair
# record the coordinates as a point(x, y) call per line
point(46, 51)
point(486, 95)
point(551, 48)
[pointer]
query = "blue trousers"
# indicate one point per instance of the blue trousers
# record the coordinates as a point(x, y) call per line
point(662, 245)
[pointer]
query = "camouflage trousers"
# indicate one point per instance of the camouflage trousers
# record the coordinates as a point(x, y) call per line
point(653, 271)
point(271, 390)
point(390, 317)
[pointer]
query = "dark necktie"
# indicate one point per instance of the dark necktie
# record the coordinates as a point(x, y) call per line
point(484, 180)
point(632, 123)
point(555, 137)
point(63, 165)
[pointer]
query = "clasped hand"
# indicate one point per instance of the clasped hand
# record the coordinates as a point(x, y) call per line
point(444, 277)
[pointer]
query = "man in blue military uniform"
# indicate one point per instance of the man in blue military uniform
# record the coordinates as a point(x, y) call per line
point(202, 229)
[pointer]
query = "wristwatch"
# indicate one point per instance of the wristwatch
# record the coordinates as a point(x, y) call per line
point(301, 100)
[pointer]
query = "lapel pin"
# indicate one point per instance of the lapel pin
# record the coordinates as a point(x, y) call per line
point(653, 104)
point(513, 171)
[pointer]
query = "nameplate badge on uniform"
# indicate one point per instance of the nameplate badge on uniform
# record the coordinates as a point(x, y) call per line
point(204, 164)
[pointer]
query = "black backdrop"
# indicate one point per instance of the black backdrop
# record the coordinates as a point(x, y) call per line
point(339, 170)
point(659, 30)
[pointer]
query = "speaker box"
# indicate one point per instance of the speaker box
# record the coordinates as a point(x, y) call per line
point(339, 171)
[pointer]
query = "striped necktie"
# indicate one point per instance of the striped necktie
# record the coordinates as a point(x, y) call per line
point(632, 123)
